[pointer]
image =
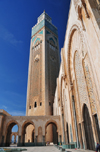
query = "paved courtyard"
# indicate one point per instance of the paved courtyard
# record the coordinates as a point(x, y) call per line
point(49, 149)
point(52, 149)
point(42, 149)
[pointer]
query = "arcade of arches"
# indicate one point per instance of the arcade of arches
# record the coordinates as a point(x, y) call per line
point(36, 125)
point(15, 135)
point(76, 107)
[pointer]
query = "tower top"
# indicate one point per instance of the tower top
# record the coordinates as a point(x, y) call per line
point(45, 16)
point(44, 20)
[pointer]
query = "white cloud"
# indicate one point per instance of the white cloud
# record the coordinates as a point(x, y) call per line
point(8, 36)
point(16, 113)
point(4, 107)
point(15, 94)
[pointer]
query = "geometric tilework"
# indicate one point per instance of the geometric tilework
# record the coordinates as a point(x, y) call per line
point(51, 39)
point(38, 39)
point(47, 32)
point(42, 24)
point(41, 32)
point(33, 38)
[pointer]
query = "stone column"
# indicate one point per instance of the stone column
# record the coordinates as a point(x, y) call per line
point(36, 140)
point(19, 141)
point(80, 135)
point(59, 139)
point(63, 128)
point(83, 136)
point(75, 122)
point(66, 139)
point(43, 140)
point(8, 137)
point(14, 139)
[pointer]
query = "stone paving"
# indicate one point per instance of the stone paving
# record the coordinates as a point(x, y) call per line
point(52, 149)
point(41, 149)
point(36, 149)
point(49, 149)
point(78, 150)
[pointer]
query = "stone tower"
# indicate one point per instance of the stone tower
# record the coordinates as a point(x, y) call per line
point(43, 67)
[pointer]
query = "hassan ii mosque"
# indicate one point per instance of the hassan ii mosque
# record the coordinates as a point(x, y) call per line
point(63, 99)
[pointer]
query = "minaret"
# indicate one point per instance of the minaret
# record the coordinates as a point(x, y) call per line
point(43, 67)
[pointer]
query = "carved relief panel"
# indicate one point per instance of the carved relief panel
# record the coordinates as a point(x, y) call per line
point(89, 87)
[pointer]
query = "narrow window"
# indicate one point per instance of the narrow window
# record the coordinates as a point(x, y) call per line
point(49, 103)
point(40, 103)
point(29, 107)
point(35, 104)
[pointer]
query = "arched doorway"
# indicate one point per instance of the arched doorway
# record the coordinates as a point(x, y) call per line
point(9, 131)
point(54, 133)
point(88, 129)
point(28, 130)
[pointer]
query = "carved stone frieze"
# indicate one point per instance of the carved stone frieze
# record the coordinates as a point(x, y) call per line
point(79, 4)
point(90, 88)
point(76, 4)
point(85, 8)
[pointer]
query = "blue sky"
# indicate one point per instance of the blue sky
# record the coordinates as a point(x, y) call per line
point(17, 17)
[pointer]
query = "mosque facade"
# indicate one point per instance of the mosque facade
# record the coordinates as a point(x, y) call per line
point(77, 97)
